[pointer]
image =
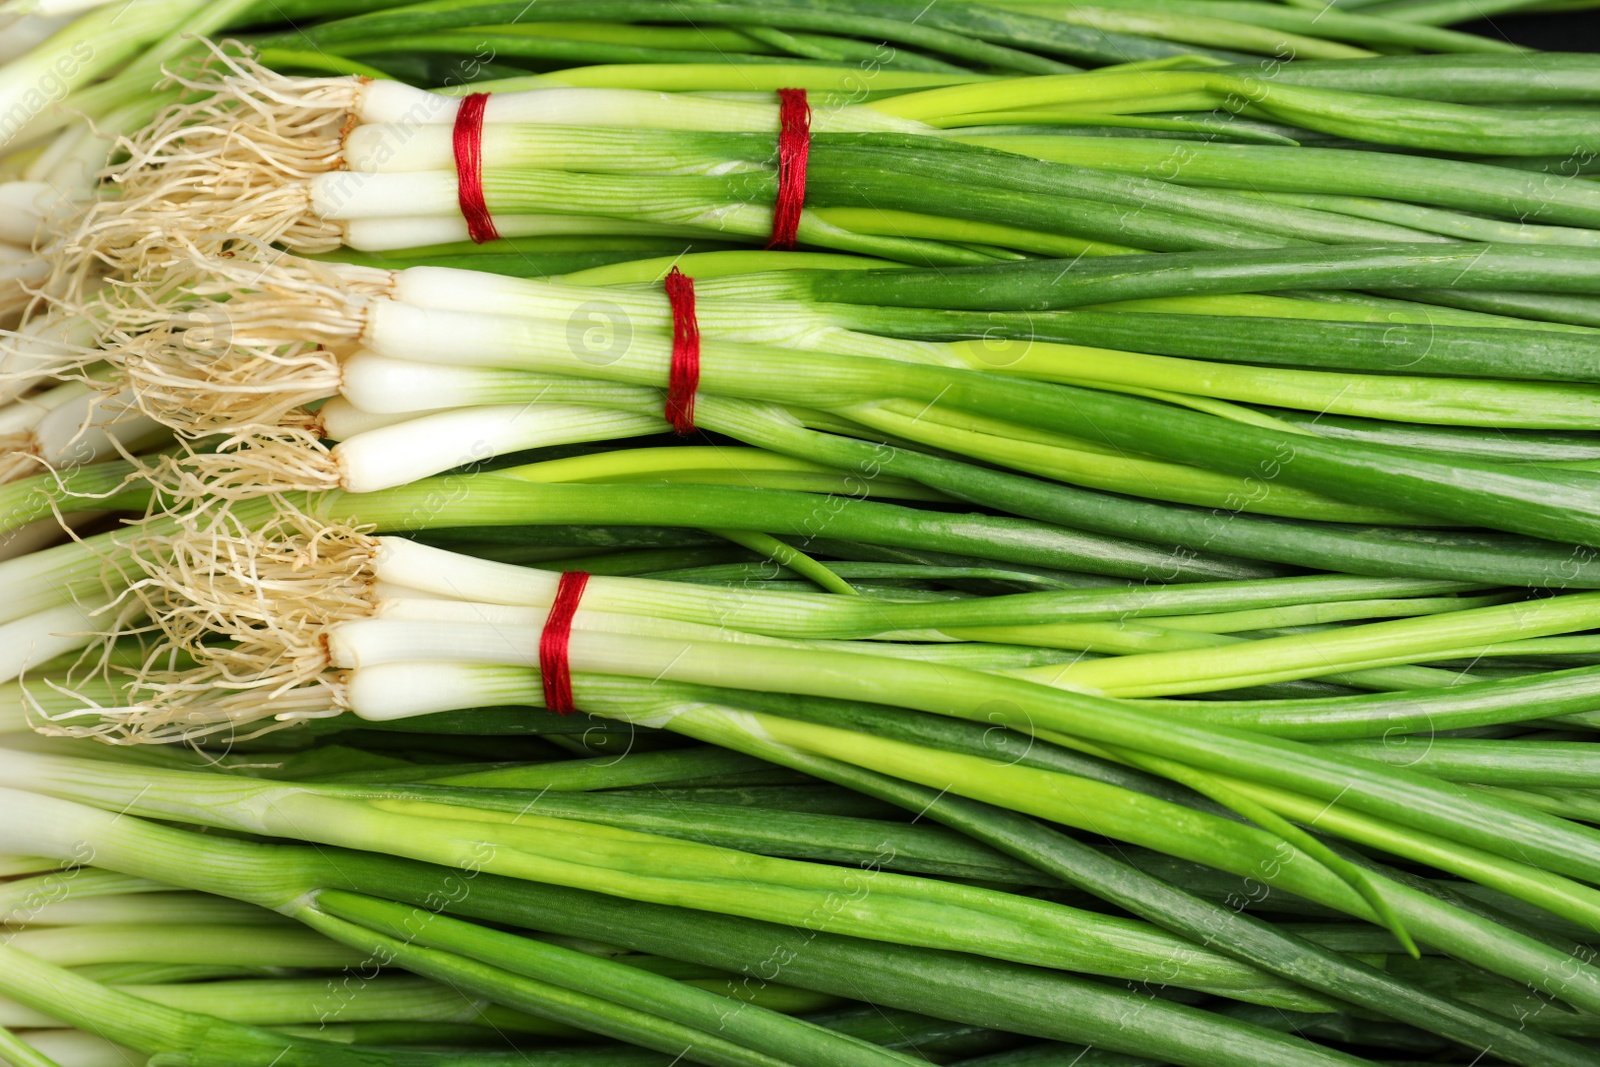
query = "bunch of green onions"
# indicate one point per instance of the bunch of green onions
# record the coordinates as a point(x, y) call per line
point(1131, 599)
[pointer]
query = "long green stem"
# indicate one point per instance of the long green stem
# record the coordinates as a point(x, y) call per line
point(957, 986)
point(889, 907)
point(1283, 658)
point(18, 1053)
point(773, 1037)
point(1396, 715)
point(1133, 817)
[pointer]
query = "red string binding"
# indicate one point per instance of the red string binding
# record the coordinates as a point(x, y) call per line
point(468, 141)
point(683, 377)
point(554, 668)
point(794, 149)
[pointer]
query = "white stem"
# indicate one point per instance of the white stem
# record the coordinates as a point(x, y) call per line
point(600, 321)
point(21, 35)
point(14, 866)
point(530, 621)
point(23, 416)
point(347, 195)
point(32, 86)
point(391, 102)
point(28, 539)
point(24, 208)
point(289, 1001)
point(250, 946)
point(604, 335)
point(20, 272)
point(59, 9)
point(411, 450)
point(37, 825)
point(158, 909)
point(34, 639)
point(408, 564)
point(394, 232)
point(44, 346)
point(407, 690)
point(91, 428)
point(71, 165)
point(499, 642)
point(341, 420)
point(378, 385)
point(377, 148)
point(427, 335)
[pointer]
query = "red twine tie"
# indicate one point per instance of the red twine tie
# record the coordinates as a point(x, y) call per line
point(794, 148)
point(468, 139)
point(554, 668)
point(683, 377)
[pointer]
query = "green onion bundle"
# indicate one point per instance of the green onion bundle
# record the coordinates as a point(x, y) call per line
point(1113, 582)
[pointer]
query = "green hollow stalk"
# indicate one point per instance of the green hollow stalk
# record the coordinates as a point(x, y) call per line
point(827, 753)
point(173, 1037)
point(872, 172)
point(1332, 22)
point(1376, 644)
point(1466, 556)
point(883, 906)
point(1269, 946)
point(1363, 116)
point(1397, 347)
point(1411, 361)
point(425, 942)
point(846, 840)
point(1570, 900)
point(246, 945)
point(1568, 77)
point(727, 77)
point(1410, 801)
point(739, 207)
point(1203, 28)
point(416, 571)
point(1495, 871)
point(1087, 463)
point(1447, 183)
point(961, 35)
point(1554, 506)
point(1356, 549)
point(498, 499)
point(1444, 401)
point(1396, 715)
point(533, 50)
point(1512, 763)
point(719, 465)
point(283, 1002)
point(339, 35)
point(1416, 801)
point(1366, 550)
point(18, 1053)
point(1043, 286)
point(414, 949)
point(1551, 449)
point(860, 171)
point(957, 986)
point(61, 574)
point(1434, 220)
